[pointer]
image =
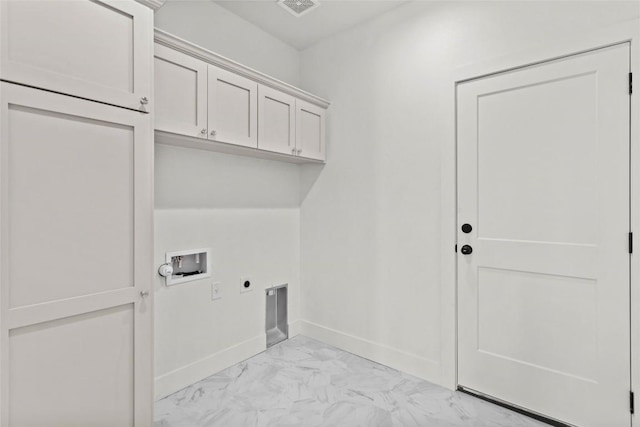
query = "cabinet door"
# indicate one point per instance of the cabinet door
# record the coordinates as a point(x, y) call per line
point(276, 121)
point(309, 131)
point(233, 108)
point(180, 93)
point(75, 261)
point(99, 50)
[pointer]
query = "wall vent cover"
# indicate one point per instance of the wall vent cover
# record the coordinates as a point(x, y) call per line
point(299, 7)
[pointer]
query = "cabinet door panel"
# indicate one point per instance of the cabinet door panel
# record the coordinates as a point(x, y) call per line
point(84, 363)
point(75, 254)
point(81, 175)
point(180, 93)
point(310, 131)
point(233, 117)
point(276, 121)
point(99, 50)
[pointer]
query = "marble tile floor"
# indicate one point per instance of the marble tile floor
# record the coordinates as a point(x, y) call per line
point(302, 382)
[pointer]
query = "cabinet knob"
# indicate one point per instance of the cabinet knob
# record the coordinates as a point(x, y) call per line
point(299, 150)
point(144, 100)
point(293, 151)
point(203, 131)
point(144, 294)
point(213, 133)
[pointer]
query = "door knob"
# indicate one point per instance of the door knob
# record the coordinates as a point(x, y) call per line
point(466, 228)
point(466, 250)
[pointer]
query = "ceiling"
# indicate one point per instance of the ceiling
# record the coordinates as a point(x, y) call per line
point(301, 32)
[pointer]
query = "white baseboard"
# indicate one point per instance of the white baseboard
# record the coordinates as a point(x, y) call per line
point(406, 362)
point(413, 364)
point(294, 328)
point(180, 378)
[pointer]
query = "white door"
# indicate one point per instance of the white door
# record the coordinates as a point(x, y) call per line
point(276, 121)
point(98, 50)
point(75, 256)
point(233, 104)
point(309, 131)
point(543, 298)
point(180, 93)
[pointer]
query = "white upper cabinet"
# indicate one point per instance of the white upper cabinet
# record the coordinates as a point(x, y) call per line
point(276, 121)
point(310, 131)
point(98, 50)
point(180, 93)
point(226, 107)
point(233, 115)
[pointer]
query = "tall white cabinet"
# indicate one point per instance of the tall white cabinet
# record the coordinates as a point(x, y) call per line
point(97, 50)
point(76, 157)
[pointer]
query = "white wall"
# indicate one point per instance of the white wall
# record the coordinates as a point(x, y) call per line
point(213, 27)
point(365, 245)
point(370, 223)
point(247, 211)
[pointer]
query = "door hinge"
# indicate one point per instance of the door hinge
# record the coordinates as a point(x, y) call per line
point(630, 83)
point(632, 408)
point(630, 243)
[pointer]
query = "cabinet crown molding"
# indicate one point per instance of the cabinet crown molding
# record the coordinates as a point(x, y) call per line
point(153, 4)
point(166, 39)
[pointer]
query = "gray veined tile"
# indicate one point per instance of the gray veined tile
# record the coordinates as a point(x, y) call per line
point(305, 383)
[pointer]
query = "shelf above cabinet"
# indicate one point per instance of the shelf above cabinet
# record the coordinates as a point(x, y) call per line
point(167, 138)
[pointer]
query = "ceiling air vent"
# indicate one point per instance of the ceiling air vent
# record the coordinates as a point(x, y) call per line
point(299, 7)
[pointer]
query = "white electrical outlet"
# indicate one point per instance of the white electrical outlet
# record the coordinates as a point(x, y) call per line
point(246, 284)
point(216, 292)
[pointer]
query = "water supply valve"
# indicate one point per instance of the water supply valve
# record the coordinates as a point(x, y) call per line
point(165, 270)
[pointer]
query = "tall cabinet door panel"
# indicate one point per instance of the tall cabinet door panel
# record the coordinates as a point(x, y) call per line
point(233, 107)
point(98, 50)
point(180, 93)
point(276, 121)
point(75, 261)
point(310, 131)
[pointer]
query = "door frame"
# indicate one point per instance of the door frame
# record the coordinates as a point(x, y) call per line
point(627, 31)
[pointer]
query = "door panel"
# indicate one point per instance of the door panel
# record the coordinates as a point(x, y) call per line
point(276, 121)
point(233, 105)
point(310, 131)
point(541, 141)
point(180, 93)
point(543, 176)
point(512, 326)
point(75, 255)
point(81, 176)
point(92, 49)
point(64, 364)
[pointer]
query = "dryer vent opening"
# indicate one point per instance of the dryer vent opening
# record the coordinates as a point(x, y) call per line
point(277, 324)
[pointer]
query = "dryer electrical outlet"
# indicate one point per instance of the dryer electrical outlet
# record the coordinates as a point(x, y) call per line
point(246, 284)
